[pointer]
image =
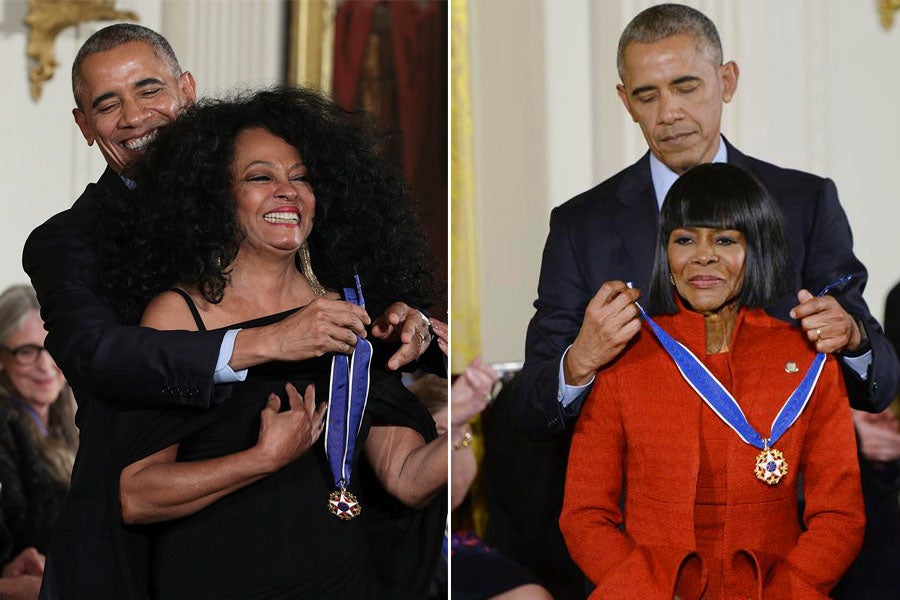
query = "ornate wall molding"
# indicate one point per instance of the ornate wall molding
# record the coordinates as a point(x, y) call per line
point(886, 10)
point(47, 18)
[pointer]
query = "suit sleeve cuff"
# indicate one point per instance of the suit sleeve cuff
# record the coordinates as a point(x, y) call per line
point(570, 396)
point(224, 373)
point(859, 364)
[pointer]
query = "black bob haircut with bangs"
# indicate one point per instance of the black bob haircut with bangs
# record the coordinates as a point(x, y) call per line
point(723, 196)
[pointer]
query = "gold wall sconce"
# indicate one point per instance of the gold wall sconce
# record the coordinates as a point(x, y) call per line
point(886, 10)
point(46, 18)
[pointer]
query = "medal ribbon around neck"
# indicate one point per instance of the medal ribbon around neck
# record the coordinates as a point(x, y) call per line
point(346, 405)
point(720, 400)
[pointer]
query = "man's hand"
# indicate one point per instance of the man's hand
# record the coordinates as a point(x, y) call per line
point(23, 587)
point(28, 562)
point(404, 324)
point(610, 321)
point(285, 436)
point(879, 435)
point(441, 331)
point(322, 326)
point(826, 323)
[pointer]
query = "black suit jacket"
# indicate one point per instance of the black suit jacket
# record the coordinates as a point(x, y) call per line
point(110, 366)
point(609, 232)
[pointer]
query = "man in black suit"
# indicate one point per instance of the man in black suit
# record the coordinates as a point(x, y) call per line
point(674, 84)
point(127, 85)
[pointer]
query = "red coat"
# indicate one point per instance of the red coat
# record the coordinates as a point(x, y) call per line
point(640, 431)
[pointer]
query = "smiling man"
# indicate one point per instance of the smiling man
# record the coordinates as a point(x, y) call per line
point(128, 84)
point(674, 85)
point(125, 94)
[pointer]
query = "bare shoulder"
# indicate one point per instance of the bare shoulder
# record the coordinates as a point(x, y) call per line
point(169, 310)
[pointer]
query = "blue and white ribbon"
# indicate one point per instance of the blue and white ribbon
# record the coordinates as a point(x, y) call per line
point(347, 401)
point(723, 403)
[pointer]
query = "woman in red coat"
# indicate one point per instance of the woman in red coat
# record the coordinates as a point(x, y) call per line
point(711, 420)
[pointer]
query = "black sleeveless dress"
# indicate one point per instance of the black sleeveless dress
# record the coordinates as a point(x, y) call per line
point(274, 539)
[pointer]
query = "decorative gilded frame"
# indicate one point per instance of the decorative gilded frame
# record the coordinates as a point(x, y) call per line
point(311, 43)
point(46, 18)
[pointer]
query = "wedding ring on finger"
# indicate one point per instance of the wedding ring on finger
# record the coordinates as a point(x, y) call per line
point(421, 337)
point(818, 334)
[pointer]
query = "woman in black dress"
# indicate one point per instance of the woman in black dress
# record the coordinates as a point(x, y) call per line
point(257, 209)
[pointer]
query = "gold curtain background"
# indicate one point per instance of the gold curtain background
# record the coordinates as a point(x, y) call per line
point(464, 307)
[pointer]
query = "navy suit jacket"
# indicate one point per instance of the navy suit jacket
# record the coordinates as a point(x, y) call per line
point(110, 366)
point(609, 232)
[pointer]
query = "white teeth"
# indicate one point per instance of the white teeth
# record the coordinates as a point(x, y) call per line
point(141, 142)
point(282, 217)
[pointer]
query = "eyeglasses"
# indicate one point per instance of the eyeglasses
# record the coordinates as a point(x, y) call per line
point(27, 354)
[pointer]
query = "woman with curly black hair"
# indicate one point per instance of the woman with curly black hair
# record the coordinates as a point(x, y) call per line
point(188, 230)
point(252, 210)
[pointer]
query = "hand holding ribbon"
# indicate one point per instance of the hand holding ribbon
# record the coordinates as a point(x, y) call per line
point(826, 323)
point(610, 321)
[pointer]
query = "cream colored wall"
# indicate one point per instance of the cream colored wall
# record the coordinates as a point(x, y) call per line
point(46, 163)
point(817, 92)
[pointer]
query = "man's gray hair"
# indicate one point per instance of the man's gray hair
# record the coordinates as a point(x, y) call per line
point(117, 35)
point(665, 20)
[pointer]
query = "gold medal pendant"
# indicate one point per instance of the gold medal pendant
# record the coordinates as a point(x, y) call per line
point(343, 505)
point(770, 466)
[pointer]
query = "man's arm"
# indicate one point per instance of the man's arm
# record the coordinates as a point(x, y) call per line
point(597, 325)
point(829, 256)
point(128, 365)
point(325, 326)
point(136, 367)
point(559, 310)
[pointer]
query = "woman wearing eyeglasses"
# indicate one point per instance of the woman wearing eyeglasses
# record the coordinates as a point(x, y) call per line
point(38, 440)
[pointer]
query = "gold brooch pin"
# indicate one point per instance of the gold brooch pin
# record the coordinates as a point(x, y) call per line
point(791, 367)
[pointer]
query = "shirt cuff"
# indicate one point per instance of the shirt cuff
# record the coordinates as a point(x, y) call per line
point(224, 373)
point(568, 394)
point(859, 364)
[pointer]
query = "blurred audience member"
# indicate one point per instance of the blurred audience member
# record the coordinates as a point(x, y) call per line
point(479, 571)
point(38, 440)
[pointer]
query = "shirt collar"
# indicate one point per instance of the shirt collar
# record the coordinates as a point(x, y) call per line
point(663, 177)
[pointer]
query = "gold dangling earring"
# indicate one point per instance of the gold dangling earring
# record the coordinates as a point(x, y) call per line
point(306, 267)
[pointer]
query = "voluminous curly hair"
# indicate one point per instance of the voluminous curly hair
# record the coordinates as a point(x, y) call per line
point(179, 225)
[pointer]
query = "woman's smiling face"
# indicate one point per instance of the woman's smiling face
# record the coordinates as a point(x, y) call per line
point(40, 382)
point(275, 203)
point(707, 266)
